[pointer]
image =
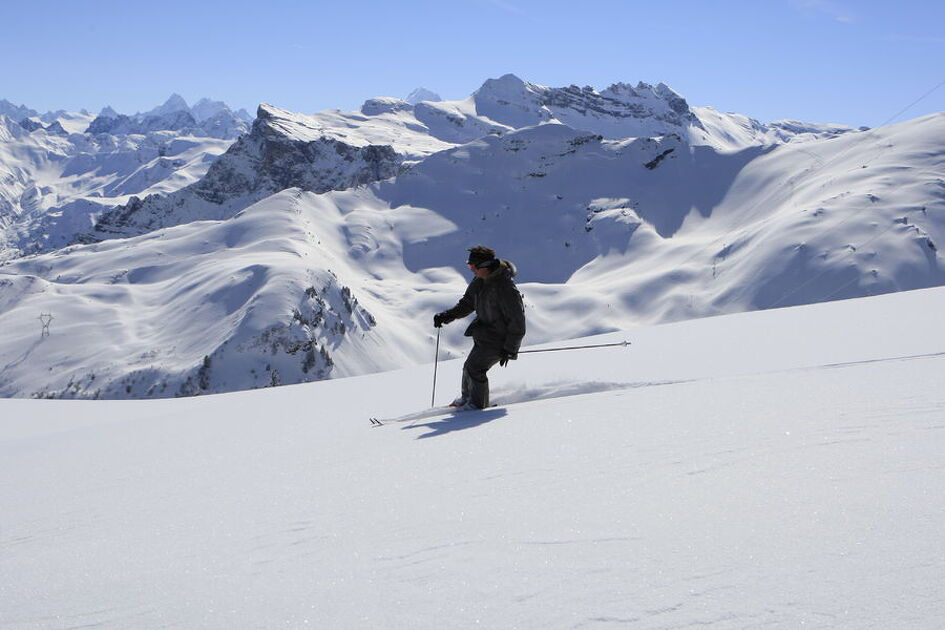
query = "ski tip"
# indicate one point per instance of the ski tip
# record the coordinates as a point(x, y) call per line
point(376, 423)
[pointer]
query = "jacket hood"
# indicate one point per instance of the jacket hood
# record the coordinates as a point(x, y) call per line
point(505, 269)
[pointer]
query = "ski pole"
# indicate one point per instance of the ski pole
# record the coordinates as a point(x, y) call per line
point(436, 360)
point(599, 345)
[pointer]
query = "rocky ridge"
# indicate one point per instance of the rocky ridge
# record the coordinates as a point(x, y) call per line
point(212, 119)
point(272, 157)
point(338, 150)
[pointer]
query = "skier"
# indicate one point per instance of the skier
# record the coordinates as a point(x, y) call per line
point(499, 326)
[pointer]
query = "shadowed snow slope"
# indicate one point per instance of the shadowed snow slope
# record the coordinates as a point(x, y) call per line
point(779, 469)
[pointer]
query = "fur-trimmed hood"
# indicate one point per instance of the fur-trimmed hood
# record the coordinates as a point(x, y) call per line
point(505, 268)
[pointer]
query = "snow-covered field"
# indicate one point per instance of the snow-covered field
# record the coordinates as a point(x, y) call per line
point(776, 469)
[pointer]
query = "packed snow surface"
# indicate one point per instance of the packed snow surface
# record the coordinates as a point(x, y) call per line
point(776, 469)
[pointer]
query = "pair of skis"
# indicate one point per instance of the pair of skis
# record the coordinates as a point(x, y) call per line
point(421, 415)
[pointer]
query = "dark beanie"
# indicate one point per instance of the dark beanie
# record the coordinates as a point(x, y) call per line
point(480, 256)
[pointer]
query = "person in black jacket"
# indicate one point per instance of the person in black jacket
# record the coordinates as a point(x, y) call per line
point(499, 326)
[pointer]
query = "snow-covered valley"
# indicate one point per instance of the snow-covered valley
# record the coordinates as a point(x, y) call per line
point(777, 469)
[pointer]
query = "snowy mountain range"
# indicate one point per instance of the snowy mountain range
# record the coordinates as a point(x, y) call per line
point(319, 245)
point(60, 170)
point(212, 119)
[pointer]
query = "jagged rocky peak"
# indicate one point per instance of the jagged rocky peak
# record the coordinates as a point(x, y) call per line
point(385, 105)
point(265, 111)
point(207, 118)
point(517, 103)
point(283, 150)
point(204, 109)
point(119, 123)
point(56, 128)
point(644, 92)
point(16, 112)
point(175, 103)
point(31, 124)
point(272, 119)
point(422, 94)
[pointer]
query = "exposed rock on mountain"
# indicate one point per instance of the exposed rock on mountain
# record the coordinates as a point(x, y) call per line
point(56, 128)
point(275, 156)
point(620, 111)
point(16, 112)
point(31, 124)
point(385, 105)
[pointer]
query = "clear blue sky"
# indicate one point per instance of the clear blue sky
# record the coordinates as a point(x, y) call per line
point(842, 61)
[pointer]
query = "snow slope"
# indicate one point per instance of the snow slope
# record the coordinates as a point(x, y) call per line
point(250, 302)
point(779, 469)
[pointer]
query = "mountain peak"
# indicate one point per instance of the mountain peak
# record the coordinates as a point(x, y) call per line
point(16, 112)
point(422, 94)
point(506, 82)
point(205, 109)
point(511, 101)
point(176, 100)
point(174, 103)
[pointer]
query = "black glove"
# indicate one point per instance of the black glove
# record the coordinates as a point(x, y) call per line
point(438, 320)
point(505, 356)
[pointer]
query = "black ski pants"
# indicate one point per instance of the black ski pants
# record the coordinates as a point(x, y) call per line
point(475, 382)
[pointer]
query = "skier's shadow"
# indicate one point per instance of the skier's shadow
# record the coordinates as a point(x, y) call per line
point(458, 421)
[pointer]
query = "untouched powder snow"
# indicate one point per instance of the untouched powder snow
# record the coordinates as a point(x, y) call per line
point(777, 469)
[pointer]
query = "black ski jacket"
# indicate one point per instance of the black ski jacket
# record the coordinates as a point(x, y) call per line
point(500, 312)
